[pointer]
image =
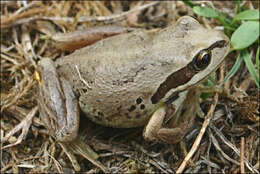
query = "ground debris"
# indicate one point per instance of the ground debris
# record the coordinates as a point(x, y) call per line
point(26, 27)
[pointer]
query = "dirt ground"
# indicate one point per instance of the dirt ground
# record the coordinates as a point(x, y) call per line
point(229, 145)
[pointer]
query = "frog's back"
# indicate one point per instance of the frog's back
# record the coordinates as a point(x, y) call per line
point(116, 77)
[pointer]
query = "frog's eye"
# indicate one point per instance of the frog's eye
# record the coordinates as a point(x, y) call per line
point(201, 60)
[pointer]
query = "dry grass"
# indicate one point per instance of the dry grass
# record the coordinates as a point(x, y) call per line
point(231, 142)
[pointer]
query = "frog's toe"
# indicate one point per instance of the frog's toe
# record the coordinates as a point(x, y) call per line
point(171, 136)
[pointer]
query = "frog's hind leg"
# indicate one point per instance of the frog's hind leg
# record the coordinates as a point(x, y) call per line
point(58, 105)
point(154, 130)
point(178, 126)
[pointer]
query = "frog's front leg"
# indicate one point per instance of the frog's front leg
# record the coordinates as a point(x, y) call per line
point(179, 124)
point(58, 105)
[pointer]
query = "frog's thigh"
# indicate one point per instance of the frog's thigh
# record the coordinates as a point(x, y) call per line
point(154, 124)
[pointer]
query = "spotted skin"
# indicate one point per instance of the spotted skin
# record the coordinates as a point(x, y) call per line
point(116, 78)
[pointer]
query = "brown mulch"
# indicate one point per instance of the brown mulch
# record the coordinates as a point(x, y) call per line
point(230, 144)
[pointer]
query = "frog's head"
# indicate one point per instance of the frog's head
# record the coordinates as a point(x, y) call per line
point(204, 50)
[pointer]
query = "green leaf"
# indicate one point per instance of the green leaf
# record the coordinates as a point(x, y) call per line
point(247, 15)
point(189, 3)
point(205, 11)
point(211, 80)
point(250, 66)
point(209, 83)
point(233, 69)
point(245, 35)
point(222, 20)
point(238, 6)
point(257, 60)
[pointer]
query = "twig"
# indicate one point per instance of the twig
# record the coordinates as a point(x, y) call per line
point(242, 155)
point(199, 137)
point(22, 9)
point(71, 157)
point(110, 18)
point(24, 125)
point(81, 78)
point(229, 144)
point(79, 147)
point(207, 157)
point(206, 122)
point(57, 164)
point(20, 113)
point(15, 19)
point(216, 144)
point(158, 166)
point(4, 168)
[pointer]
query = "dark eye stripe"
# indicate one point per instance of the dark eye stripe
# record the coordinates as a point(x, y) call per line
point(178, 78)
point(218, 44)
point(181, 77)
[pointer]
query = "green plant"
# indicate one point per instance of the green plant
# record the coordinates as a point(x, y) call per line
point(243, 31)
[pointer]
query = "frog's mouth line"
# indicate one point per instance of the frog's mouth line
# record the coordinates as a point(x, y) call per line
point(181, 76)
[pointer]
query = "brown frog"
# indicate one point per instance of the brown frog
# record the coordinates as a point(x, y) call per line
point(131, 80)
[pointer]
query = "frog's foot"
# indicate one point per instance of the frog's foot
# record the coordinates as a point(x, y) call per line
point(178, 126)
point(154, 131)
point(209, 89)
point(58, 105)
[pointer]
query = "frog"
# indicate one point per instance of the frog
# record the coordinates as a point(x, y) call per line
point(144, 78)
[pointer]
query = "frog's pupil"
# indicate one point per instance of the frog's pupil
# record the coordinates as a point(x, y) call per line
point(205, 59)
